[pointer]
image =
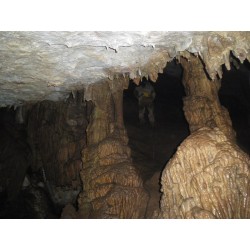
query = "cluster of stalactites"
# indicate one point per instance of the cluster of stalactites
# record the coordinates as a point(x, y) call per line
point(214, 50)
point(218, 50)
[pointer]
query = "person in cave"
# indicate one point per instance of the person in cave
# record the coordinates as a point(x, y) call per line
point(145, 94)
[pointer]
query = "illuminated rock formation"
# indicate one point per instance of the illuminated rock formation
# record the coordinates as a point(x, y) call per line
point(208, 177)
point(202, 106)
point(69, 86)
point(111, 185)
point(49, 65)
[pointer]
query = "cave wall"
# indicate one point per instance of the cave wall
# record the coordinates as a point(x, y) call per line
point(56, 135)
point(112, 186)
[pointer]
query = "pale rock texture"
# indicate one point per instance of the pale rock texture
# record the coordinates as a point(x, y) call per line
point(36, 66)
point(208, 177)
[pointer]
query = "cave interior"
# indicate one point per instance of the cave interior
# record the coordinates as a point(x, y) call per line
point(90, 158)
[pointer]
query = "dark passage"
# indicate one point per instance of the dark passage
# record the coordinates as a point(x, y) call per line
point(40, 157)
point(153, 147)
point(20, 198)
point(235, 96)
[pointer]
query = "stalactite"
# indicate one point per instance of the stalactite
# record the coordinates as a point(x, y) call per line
point(201, 104)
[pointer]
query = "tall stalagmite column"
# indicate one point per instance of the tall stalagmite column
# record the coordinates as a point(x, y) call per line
point(209, 175)
point(112, 187)
point(201, 105)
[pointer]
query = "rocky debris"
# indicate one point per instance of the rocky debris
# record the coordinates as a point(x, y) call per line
point(208, 177)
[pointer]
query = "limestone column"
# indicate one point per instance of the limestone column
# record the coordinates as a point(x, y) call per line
point(201, 104)
point(111, 186)
point(209, 176)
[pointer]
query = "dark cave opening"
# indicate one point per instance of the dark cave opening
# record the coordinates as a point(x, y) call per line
point(40, 157)
point(234, 94)
point(23, 194)
point(152, 147)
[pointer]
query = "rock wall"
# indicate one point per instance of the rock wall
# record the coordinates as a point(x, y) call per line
point(57, 135)
point(208, 177)
point(111, 186)
point(201, 105)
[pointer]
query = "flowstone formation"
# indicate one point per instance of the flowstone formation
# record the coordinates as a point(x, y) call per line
point(201, 105)
point(208, 177)
point(111, 186)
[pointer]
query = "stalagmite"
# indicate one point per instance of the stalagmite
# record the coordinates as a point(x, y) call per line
point(111, 185)
point(207, 178)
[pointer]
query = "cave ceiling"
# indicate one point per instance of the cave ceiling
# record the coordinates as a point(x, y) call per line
point(36, 66)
